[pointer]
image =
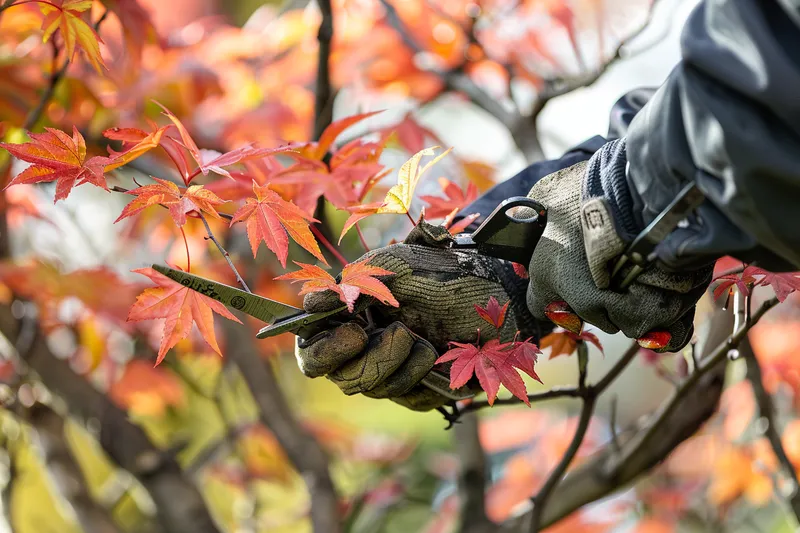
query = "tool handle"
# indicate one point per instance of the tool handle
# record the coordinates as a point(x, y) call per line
point(506, 235)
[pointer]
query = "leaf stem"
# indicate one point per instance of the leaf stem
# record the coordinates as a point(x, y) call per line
point(361, 237)
point(186, 245)
point(325, 242)
point(224, 253)
point(413, 222)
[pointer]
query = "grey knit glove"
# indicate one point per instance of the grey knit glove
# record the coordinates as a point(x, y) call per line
point(437, 289)
point(583, 236)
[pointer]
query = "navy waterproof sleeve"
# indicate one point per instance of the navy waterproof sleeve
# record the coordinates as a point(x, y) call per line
point(728, 117)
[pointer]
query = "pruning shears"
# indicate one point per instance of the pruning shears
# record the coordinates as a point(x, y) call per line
point(503, 235)
point(641, 253)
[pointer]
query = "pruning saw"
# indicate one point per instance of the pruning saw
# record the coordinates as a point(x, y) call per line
point(503, 235)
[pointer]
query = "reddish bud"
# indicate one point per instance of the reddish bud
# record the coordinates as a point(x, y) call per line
point(561, 315)
point(654, 340)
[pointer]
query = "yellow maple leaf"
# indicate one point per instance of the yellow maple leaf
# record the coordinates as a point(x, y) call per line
point(74, 30)
point(398, 199)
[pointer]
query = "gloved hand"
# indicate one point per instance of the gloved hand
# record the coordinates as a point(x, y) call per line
point(589, 224)
point(437, 289)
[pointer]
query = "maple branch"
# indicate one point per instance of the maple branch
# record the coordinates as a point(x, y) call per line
point(324, 94)
point(551, 394)
point(561, 86)
point(455, 79)
point(766, 411)
point(224, 252)
point(472, 477)
point(690, 405)
point(587, 409)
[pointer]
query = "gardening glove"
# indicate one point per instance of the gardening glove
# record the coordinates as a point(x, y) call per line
point(590, 222)
point(437, 289)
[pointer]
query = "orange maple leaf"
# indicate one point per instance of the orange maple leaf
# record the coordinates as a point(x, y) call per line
point(135, 141)
point(180, 306)
point(66, 16)
point(55, 156)
point(179, 202)
point(269, 218)
point(565, 342)
point(357, 278)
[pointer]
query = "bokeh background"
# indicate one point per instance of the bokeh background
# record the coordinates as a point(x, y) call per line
point(237, 71)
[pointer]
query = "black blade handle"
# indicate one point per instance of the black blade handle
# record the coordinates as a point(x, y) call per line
point(505, 235)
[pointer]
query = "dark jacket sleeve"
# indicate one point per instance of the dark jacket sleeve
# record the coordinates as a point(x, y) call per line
point(728, 117)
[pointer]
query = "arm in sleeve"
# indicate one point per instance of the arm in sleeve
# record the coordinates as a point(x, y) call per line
point(728, 117)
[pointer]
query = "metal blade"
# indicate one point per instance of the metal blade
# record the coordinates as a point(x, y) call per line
point(254, 305)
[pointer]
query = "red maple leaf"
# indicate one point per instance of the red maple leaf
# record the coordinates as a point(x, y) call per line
point(357, 278)
point(208, 161)
point(180, 306)
point(55, 156)
point(135, 142)
point(493, 313)
point(729, 281)
point(493, 363)
point(560, 314)
point(565, 342)
point(454, 199)
point(180, 202)
point(783, 284)
point(520, 270)
point(269, 218)
point(461, 225)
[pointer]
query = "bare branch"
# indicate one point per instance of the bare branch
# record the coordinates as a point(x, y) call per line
point(587, 409)
point(618, 367)
point(324, 94)
point(472, 477)
point(766, 410)
point(679, 418)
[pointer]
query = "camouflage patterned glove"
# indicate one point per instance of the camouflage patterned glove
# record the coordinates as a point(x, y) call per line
point(572, 263)
point(437, 289)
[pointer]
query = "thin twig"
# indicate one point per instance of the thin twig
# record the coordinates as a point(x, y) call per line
point(224, 253)
point(540, 500)
point(324, 94)
point(552, 394)
point(766, 410)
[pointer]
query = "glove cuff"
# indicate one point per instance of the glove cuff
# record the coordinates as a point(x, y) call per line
point(606, 178)
point(607, 217)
